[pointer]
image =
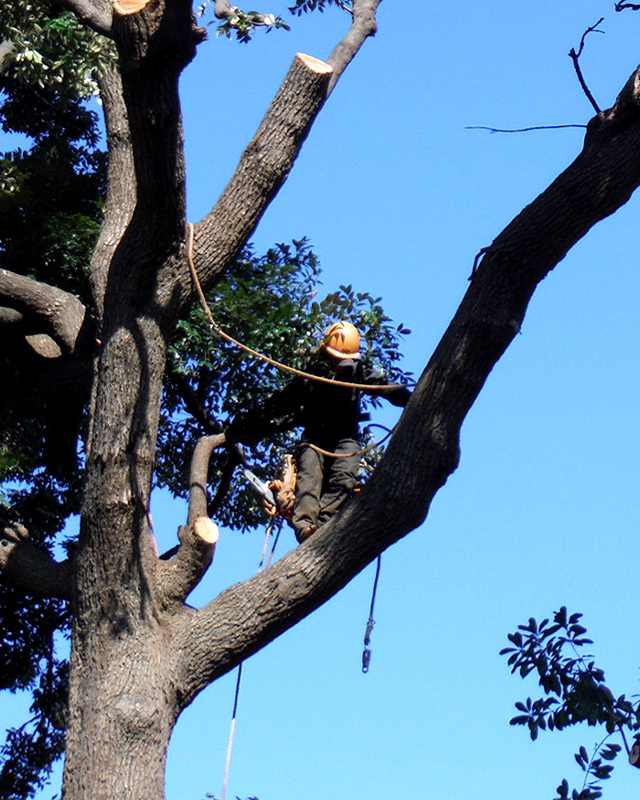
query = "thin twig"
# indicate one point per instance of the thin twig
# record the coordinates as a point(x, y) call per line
point(575, 57)
point(521, 130)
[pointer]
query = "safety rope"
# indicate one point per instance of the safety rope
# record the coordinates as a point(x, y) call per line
point(361, 452)
point(366, 653)
point(232, 734)
point(217, 329)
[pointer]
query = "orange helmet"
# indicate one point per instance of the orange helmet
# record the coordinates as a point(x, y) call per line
point(342, 340)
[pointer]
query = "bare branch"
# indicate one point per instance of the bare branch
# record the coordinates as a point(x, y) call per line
point(97, 16)
point(263, 168)
point(363, 25)
point(521, 130)
point(182, 573)
point(622, 6)
point(121, 183)
point(32, 569)
point(575, 57)
point(179, 576)
point(198, 475)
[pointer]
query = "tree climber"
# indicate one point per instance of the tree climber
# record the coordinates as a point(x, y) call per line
point(330, 416)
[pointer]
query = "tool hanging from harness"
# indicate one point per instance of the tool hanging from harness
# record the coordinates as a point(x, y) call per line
point(278, 496)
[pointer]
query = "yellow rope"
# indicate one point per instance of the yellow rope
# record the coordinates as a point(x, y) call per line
point(205, 307)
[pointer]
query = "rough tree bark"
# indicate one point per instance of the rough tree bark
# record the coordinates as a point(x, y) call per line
point(140, 655)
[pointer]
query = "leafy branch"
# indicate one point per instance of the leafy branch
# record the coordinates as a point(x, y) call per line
point(574, 691)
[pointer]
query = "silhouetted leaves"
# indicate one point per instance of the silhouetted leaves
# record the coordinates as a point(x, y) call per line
point(574, 691)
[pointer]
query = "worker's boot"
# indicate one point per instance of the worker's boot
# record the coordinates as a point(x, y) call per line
point(305, 533)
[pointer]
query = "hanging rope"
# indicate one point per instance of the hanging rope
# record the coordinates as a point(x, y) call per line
point(232, 731)
point(366, 653)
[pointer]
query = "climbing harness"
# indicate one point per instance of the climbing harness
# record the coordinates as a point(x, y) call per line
point(366, 653)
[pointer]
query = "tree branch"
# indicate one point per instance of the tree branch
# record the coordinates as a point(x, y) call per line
point(121, 182)
point(32, 569)
point(182, 573)
point(425, 449)
point(198, 475)
point(363, 25)
point(60, 314)
point(263, 168)
point(575, 57)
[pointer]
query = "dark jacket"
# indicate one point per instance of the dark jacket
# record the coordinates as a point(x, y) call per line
point(327, 413)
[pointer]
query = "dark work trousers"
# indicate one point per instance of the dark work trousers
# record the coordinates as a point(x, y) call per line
point(323, 483)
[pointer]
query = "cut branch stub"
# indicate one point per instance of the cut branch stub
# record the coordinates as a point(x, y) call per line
point(207, 530)
point(125, 7)
point(179, 576)
point(315, 64)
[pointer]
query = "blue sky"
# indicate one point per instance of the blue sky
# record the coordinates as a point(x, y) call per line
point(397, 197)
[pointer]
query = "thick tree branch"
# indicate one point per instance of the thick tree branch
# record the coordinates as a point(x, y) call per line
point(121, 182)
point(263, 168)
point(32, 569)
point(268, 159)
point(179, 576)
point(198, 475)
point(425, 449)
point(59, 314)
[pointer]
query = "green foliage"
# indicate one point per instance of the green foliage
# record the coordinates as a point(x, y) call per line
point(52, 51)
point(306, 6)
point(574, 691)
point(244, 25)
point(268, 303)
point(50, 212)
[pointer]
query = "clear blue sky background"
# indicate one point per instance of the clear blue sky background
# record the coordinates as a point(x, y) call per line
point(397, 197)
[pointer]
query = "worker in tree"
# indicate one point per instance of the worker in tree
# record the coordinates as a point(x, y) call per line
point(330, 416)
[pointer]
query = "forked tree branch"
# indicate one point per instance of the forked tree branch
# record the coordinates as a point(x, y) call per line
point(425, 449)
point(575, 57)
point(267, 161)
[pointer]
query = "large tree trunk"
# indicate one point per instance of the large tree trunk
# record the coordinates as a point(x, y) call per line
point(128, 684)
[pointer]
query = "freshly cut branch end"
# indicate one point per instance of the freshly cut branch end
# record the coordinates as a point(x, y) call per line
point(206, 529)
point(314, 64)
point(125, 7)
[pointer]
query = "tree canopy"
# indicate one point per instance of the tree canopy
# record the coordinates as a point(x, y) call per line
point(104, 350)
